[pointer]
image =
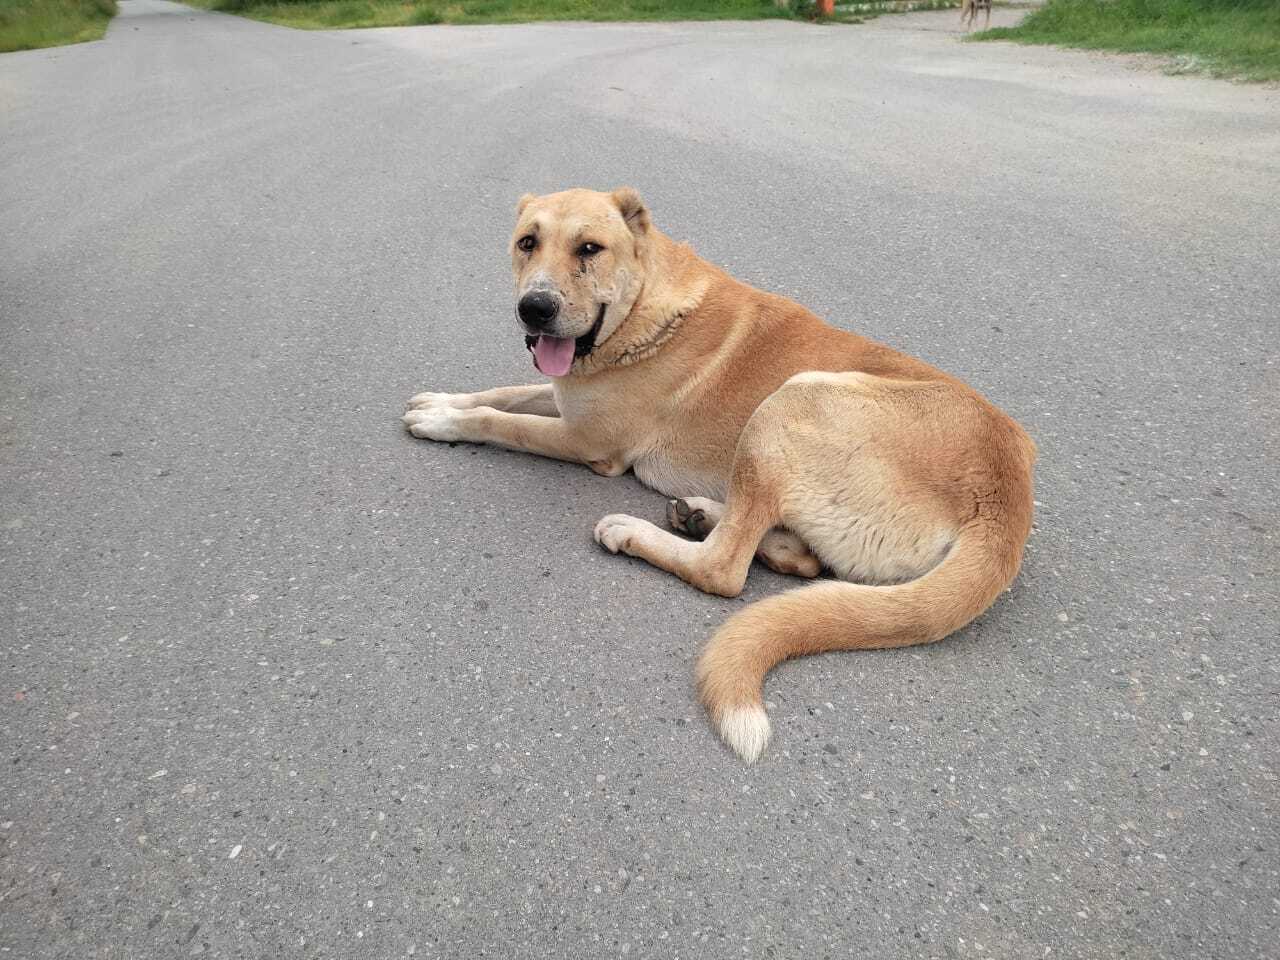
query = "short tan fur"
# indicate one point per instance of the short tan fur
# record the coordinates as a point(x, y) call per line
point(778, 436)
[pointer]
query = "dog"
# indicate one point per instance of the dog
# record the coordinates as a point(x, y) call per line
point(777, 436)
point(969, 11)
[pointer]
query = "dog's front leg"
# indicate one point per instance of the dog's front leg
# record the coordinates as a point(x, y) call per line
point(545, 436)
point(537, 398)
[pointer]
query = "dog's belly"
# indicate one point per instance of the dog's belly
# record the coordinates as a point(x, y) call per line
point(654, 469)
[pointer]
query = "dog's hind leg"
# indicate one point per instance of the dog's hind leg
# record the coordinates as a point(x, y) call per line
point(780, 550)
point(783, 552)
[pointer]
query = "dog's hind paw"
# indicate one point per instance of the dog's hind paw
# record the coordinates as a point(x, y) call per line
point(689, 516)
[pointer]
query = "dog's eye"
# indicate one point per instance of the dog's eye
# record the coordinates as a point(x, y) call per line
point(589, 249)
point(527, 243)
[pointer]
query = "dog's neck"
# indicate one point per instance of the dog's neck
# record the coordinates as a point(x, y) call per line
point(671, 289)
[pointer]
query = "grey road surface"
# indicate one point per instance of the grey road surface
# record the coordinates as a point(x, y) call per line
point(277, 680)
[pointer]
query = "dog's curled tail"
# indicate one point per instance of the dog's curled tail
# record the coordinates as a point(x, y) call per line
point(846, 616)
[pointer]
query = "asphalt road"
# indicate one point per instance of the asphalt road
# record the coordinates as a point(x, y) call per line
point(277, 680)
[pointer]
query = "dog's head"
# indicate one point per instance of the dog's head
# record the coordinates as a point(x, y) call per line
point(578, 259)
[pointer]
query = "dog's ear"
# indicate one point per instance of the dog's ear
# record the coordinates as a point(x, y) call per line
point(524, 202)
point(632, 209)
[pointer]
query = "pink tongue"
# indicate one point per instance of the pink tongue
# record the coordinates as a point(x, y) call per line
point(553, 355)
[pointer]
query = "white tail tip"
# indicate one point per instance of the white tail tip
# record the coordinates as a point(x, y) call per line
point(746, 730)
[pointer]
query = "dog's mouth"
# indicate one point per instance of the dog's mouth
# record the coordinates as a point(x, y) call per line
point(555, 355)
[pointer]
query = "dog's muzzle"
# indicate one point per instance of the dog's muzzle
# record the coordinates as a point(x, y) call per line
point(581, 345)
point(538, 309)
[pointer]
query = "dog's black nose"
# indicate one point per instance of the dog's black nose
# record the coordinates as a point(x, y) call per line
point(538, 309)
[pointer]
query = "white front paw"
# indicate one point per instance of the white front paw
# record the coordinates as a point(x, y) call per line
point(435, 423)
point(427, 401)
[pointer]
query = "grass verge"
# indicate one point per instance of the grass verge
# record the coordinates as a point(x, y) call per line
point(1236, 38)
point(31, 24)
point(332, 14)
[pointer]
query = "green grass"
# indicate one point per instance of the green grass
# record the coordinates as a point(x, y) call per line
point(330, 14)
point(1237, 38)
point(31, 24)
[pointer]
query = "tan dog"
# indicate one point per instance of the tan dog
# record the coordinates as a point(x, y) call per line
point(969, 12)
point(782, 437)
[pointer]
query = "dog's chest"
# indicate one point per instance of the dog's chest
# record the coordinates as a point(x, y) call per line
point(676, 461)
